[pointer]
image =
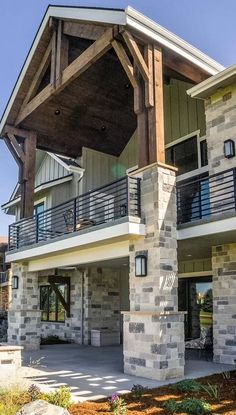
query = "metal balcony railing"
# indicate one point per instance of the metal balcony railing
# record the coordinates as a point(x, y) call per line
point(3, 277)
point(102, 205)
point(203, 196)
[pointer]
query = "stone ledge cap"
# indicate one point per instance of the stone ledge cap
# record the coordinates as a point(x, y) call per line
point(149, 166)
point(155, 313)
point(4, 347)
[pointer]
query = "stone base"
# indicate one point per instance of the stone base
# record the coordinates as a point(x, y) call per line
point(10, 360)
point(154, 344)
point(24, 328)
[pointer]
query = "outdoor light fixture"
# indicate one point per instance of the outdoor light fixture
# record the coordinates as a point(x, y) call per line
point(15, 282)
point(229, 148)
point(141, 265)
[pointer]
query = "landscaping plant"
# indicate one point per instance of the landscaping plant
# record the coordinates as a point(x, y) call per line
point(212, 390)
point(117, 405)
point(61, 397)
point(137, 391)
point(187, 385)
point(191, 406)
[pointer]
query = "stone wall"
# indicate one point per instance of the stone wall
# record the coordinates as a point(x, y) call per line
point(24, 314)
point(224, 301)
point(102, 300)
point(4, 296)
point(154, 329)
point(220, 126)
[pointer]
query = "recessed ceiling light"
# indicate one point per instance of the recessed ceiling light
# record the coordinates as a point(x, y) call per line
point(57, 112)
point(189, 255)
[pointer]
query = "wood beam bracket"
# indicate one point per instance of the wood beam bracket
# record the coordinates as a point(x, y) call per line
point(125, 62)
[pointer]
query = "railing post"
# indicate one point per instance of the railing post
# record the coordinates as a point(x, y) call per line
point(234, 178)
point(128, 194)
point(139, 196)
point(74, 217)
point(200, 198)
point(37, 229)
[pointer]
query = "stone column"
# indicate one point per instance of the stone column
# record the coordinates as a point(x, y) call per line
point(224, 303)
point(24, 313)
point(154, 329)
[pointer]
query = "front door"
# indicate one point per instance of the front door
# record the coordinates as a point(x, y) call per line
point(195, 297)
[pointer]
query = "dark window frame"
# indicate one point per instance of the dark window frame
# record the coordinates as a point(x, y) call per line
point(58, 282)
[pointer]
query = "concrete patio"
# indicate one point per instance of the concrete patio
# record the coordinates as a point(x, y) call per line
point(93, 373)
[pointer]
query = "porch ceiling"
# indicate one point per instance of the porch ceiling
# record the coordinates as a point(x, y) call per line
point(96, 111)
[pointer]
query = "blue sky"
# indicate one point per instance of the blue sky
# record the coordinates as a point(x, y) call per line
point(207, 24)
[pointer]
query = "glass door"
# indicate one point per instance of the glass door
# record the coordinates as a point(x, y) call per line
point(195, 297)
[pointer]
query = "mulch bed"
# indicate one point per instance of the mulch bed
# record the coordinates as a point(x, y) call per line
point(152, 401)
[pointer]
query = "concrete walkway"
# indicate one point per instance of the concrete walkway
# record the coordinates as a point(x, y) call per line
point(91, 372)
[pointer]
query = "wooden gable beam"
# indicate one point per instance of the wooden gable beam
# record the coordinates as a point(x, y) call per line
point(183, 67)
point(137, 56)
point(62, 49)
point(39, 74)
point(125, 62)
point(25, 157)
point(71, 72)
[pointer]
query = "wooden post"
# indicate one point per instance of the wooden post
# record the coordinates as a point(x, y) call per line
point(142, 120)
point(156, 113)
point(25, 156)
point(28, 180)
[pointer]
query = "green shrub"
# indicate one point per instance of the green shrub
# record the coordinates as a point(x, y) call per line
point(12, 399)
point(187, 385)
point(137, 391)
point(212, 390)
point(191, 406)
point(61, 397)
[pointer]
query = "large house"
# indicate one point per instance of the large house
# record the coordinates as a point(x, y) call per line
point(125, 208)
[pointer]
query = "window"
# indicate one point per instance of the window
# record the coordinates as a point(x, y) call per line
point(51, 301)
point(187, 155)
point(39, 208)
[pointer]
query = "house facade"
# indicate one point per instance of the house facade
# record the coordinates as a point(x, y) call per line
point(125, 208)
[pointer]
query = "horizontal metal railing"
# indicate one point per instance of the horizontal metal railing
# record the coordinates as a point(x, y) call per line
point(102, 205)
point(202, 196)
point(3, 277)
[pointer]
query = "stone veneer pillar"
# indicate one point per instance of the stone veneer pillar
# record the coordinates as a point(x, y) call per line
point(224, 303)
point(24, 315)
point(154, 329)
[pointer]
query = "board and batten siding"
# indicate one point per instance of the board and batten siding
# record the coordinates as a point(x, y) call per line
point(183, 115)
point(49, 170)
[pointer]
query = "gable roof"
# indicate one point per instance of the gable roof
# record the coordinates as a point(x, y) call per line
point(129, 18)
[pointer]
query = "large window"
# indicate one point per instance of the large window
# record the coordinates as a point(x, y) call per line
point(187, 155)
point(53, 299)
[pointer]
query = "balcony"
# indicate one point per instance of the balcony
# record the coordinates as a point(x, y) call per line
point(4, 277)
point(103, 205)
point(206, 197)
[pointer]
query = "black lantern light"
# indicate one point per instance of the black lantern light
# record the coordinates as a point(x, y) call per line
point(15, 282)
point(141, 265)
point(229, 148)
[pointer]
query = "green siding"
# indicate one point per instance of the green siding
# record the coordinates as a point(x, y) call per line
point(183, 115)
point(129, 156)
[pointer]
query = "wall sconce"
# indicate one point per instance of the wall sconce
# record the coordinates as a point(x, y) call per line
point(141, 265)
point(229, 148)
point(15, 282)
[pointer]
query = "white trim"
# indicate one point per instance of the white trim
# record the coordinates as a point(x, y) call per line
point(71, 169)
point(39, 188)
point(163, 36)
point(210, 228)
point(130, 18)
point(79, 240)
point(200, 169)
point(210, 85)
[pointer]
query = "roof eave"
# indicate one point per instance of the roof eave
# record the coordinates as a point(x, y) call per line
point(208, 87)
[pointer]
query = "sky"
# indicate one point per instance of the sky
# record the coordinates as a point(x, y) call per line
point(206, 24)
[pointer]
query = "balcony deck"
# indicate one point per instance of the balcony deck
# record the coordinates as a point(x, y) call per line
point(205, 198)
point(100, 207)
